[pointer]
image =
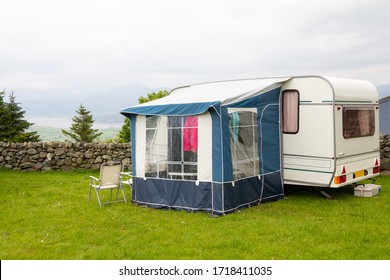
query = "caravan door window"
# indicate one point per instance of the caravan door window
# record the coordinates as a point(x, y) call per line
point(244, 142)
point(358, 122)
point(290, 107)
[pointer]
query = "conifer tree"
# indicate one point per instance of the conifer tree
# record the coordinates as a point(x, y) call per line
point(3, 117)
point(81, 129)
point(13, 126)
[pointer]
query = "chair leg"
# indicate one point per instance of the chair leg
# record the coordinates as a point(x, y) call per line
point(124, 196)
point(117, 192)
point(90, 190)
point(97, 194)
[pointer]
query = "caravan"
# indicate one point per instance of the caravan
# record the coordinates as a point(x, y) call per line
point(224, 145)
point(330, 131)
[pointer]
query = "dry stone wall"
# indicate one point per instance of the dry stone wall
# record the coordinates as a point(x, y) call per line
point(68, 155)
point(61, 155)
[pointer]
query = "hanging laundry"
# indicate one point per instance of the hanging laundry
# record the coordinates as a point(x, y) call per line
point(190, 134)
point(234, 125)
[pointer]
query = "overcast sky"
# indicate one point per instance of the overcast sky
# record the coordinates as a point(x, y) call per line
point(80, 45)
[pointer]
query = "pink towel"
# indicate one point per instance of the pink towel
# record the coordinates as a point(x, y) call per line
point(191, 134)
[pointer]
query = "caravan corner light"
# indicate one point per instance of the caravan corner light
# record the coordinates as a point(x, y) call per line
point(341, 179)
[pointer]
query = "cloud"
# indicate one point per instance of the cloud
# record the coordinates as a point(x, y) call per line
point(83, 45)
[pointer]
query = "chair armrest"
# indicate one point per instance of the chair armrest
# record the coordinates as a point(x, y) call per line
point(94, 180)
point(127, 178)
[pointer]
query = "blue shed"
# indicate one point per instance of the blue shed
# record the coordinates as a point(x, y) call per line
point(384, 115)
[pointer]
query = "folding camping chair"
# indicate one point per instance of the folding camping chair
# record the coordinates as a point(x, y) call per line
point(110, 179)
point(126, 174)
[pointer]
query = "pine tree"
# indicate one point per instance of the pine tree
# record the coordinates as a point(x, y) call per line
point(13, 125)
point(124, 134)
point(3, 117)
point(81, 129)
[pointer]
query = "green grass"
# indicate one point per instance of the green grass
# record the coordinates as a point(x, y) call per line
point(47, 216)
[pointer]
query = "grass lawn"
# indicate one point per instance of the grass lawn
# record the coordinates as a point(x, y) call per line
point(47, 216)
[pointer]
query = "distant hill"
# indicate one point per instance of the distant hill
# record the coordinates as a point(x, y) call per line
point(105, 105)
point(49, 133)
point(383, 90)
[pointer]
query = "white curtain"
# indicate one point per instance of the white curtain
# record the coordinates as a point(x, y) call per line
point(290, 111)
point(364, 122)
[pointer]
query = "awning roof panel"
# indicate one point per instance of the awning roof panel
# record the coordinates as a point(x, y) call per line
point(196, 99)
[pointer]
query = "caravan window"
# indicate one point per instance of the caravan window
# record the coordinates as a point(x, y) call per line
point(358, 122)
point(244, 143)
point(290, 107)
point(171, 147)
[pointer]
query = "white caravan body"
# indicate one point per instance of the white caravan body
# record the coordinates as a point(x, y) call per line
point(336, 139)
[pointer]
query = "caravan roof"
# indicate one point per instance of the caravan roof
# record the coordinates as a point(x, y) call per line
point(196, 99)
point(353, 90)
